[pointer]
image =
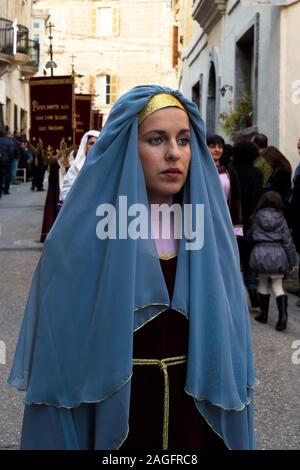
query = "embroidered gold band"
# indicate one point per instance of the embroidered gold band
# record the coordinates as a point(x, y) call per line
point(159, 101)
point(163, 364)
point(168, 256)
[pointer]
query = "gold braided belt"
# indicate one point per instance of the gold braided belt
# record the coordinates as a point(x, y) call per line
point(163, 364)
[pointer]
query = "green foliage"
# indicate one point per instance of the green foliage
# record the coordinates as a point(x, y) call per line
point(6, 49)
point(22, 50)
point(238, 119)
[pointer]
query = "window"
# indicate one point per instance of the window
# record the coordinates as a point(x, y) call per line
point(1, 118)
point(246, 64)
point(197, 93)
point(175, 46)
point(105, 21)
point(36, 25)
point(211, 101)
point(15, 117)
point(106, 87)
point(8, 112)
point(23, 119)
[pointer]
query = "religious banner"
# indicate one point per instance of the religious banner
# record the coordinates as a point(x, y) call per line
point(83, 111)
point(52, 114)
point(97, 120)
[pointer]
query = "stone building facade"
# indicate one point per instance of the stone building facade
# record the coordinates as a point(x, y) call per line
point(246, 48)
point(111, 45)
point(19, 59)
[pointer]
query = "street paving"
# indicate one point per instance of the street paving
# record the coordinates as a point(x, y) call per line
point(277, 397)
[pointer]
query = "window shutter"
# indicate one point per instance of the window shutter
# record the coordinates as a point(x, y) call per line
point(115, 21)
point(113, 88)
point(92, 80)
point(175, 46)
point(94, 21)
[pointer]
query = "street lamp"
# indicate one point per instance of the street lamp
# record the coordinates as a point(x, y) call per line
point(50, 64)
point(225, 88)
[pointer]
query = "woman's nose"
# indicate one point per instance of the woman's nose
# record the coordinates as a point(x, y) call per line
point(172, 152)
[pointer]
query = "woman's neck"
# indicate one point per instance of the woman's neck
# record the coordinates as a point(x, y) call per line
point(160, 200)
point(166, 244)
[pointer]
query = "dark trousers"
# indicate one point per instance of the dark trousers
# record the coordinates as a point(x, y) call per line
point(1, 177)
point(5, 176)
point(248, 275)
point(37, 177)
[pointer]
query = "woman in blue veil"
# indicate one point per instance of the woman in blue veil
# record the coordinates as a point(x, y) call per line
point(131, 339)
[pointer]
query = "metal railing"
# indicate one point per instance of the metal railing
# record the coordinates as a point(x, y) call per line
point(22, 39)
point(24, 44)
point(6, 36)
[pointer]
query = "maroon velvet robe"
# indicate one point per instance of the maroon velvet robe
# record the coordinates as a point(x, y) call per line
point(163, 337)
point(50, 209)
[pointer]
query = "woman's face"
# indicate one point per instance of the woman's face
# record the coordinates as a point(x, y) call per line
point(164, 150)
point(90, 142)
point(216, 151)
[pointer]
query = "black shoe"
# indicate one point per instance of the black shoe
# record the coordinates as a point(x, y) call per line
point(6, 192)
point(264, 308)
point(281, 301)
point(261, 318)
point(253, 296)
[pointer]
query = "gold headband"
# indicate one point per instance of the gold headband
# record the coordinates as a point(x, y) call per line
point(160, 101)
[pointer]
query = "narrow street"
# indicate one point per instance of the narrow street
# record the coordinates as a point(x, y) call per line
point(21, 215)
point(277, 419)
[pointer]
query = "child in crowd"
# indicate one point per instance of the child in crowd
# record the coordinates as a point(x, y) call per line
point(272, 255)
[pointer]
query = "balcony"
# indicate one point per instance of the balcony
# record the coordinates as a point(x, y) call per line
point(27, 51)
point(31, 67)
point(22, 45)
point(208, 12)
point(6, 45)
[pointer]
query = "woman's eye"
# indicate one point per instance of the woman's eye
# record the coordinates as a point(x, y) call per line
point(183, 141)
point(155, 140)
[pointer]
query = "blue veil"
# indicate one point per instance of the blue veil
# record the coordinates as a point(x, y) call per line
point(89, 295)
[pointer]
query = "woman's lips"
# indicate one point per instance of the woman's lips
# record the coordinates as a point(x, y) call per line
point(172, 173)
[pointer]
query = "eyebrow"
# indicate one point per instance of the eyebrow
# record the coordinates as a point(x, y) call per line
point(161, 132)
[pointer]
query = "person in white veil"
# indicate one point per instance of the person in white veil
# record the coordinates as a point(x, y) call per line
point(86, 143)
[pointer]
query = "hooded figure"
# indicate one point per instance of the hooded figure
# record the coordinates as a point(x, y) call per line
point(78, 353)
point(86, 142)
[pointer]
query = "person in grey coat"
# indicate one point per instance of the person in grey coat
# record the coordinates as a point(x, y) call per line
point(273, 254)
